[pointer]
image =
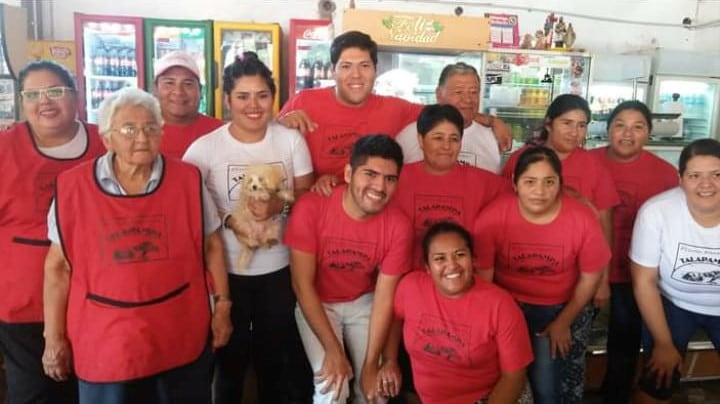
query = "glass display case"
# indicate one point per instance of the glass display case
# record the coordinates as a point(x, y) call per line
point(603, 98)
point(697, 102)
point(414, 76)
point(310, 65)
point(519, 86)
point(13, 56)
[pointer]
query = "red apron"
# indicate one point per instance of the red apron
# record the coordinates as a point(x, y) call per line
point(138, 301)
point(26, 189)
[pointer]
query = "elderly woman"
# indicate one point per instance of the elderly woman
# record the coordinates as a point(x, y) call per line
point(32, 154)
point(466, 338)
point(126, 298)
point(675, 259)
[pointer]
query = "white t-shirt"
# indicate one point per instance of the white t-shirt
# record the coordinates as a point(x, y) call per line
point(667, 237)
point(222, 160)
point(479, 147)
point(70, 150)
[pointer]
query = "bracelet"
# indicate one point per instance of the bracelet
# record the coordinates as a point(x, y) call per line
point(225, 221)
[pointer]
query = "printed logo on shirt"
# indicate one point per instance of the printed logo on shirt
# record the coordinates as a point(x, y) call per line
point(348, 255)
point(134, 239)
point(338, 145)
point(236, 174)
point(44, 186)
point(697, 265)
point(430, 209)
point(443, 340)
point(536, 259)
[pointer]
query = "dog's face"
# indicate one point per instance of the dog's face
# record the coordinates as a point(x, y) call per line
point(260, 181)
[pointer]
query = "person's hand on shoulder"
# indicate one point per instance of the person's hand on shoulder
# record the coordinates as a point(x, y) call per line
point(325, 184)
point(297, 119)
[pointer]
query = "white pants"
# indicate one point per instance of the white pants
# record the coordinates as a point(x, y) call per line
point(350, 323)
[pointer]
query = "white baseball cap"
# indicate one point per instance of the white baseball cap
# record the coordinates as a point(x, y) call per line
point(179, 59)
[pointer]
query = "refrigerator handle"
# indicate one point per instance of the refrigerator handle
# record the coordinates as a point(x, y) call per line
point(651, 79)
point(214, 76)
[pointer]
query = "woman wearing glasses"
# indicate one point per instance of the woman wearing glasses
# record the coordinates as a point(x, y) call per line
point(32, 154)
point(126, 298)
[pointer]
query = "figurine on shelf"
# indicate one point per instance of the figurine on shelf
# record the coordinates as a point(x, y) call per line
point(570, 36)
point(548, 30)
point(526, 42)
point(540, 39)
point(560, 33)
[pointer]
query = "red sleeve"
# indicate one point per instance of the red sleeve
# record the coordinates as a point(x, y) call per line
point(412, 112)
point(594, 252)
point(484, 240)
point(605, 196)
point(292, 104)
point(509, 167)
point(398, 255)
point(301, 229)
point(514, 349)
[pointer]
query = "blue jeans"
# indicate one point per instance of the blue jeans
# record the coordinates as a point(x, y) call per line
point(189, 384)
point(623, 344)
point(682, 325)
point(559, 380)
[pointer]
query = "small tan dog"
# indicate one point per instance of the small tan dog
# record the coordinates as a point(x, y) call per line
point(260, 182)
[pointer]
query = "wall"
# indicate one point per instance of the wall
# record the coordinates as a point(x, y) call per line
point(593, 34)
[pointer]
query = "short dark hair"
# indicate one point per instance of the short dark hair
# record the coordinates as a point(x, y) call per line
point(57, 69)
point(376, 145)
point(247, 65)
point(633, 105)
point(353, 39)
point(434, 114)
point(456, 68)
point(700, 147)
point(560, 105)
point(533, 155)
point(445, 227)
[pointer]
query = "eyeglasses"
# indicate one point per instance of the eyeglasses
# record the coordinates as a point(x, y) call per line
point(131, 131)
point(52, 93)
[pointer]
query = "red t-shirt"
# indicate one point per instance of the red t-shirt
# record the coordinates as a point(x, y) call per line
point(349, 253)
point(583, 172)
point(459, 347)
point(457, 196)
point(539, 263)
point(636, 182)
point(339, 125)
point(176, 139)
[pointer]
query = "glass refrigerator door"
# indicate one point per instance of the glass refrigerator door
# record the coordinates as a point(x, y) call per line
point(697, 102)
point(414, 76)
point(110, 61)
point(231, 42)
point(520, 86)
point(310, 55)
point(604, 97)
point(166, 38)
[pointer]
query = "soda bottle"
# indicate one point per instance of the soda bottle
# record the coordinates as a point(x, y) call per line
point(132, 63)
point(98, 61)
point(328, 70)
point(303, 72)
point(318, 73)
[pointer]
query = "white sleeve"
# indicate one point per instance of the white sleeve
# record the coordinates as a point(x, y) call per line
point(53, 234)
point(646, 245)
point(408, 140)
point(211, 217)
point(302, 162)
point(196, 155)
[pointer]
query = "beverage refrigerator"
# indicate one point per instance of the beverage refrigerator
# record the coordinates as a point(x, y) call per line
point(110, 56)
point(231, 40)
point(413, 74)
point(519, 85)
point(309, 58)
point(13, 56)
point(615, 78)
point(193, 37)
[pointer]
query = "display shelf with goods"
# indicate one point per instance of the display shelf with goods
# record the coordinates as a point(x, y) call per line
point(309, 58)
point(110, 58)
point(414, 76)
point(519, 85)
point(232, 39)
point(603, 98)
point(192, 37)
